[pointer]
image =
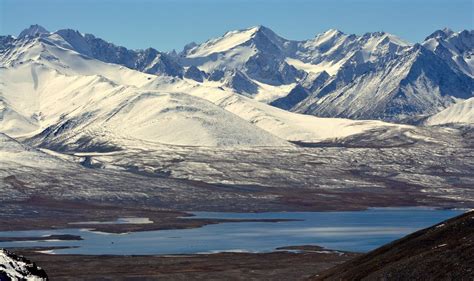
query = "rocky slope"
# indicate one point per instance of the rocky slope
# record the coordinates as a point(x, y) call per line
point(456, 48)
point(13, 267)
point(413, 83)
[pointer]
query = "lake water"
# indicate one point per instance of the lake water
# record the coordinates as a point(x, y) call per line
point(358, 231)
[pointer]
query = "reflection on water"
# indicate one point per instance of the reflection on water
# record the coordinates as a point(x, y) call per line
point(359, 231)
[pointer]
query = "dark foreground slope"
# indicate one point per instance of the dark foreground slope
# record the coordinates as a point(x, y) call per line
point(441, 252)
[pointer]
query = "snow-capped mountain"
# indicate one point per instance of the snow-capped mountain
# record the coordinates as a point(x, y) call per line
point(456, 48)
point(373, 76)
point(59, 98)
point(33, 31)
point(333, 49)
point(251, 61)
point(67, 98)
point(413, 83)
point(149, 60)
point(71, 91)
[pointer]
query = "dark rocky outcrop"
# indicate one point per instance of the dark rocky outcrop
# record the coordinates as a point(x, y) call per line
point(14, 267)
point(195, 74)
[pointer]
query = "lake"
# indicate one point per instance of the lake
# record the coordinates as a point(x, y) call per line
point(358, 231)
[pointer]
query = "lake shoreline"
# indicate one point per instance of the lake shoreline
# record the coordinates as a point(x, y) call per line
point(303, 262)
point(275, 265)
point(45, 213)
point(354, 231)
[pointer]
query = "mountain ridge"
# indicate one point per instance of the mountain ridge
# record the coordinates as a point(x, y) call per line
point(375, 76)
point(72, 102)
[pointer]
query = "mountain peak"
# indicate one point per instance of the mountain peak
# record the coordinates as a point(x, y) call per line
point(261, 28)
point(67, 30)
point(447, 31)
point(440, 34)
point(386, 37)
point(230, 40)
point(33, 31)
point(374, 34)
point(329, 35)
point(251, 31)
point(333, 32)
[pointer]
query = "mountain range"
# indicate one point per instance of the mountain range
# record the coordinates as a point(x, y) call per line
point(74, 91)
point(247, 122)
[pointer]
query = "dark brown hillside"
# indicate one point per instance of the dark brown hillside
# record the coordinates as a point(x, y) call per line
point(441, 252)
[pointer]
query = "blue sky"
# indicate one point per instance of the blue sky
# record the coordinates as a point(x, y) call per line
point(170, 24)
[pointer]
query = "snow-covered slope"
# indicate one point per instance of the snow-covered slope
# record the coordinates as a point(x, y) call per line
point(229, 41)
point(62, 97)
point(281, 123)
point(460, 112)
point(78, 109)
point(14, 153)
point(13, 267)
